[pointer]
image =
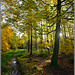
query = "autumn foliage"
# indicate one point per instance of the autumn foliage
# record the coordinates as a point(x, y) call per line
point(6, 38)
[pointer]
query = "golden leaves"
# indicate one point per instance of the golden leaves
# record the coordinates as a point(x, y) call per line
point(44, 45)
point(6, 38)
point(67, 47)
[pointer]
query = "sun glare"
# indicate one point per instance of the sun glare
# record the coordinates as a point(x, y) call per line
point(60, 34)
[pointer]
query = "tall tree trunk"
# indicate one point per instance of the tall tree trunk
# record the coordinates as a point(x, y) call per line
point(28, 43)
point(41, 34)
point(47, 40)
point(31, 40)
point(36, 44)
point(54, 61)
point(36, 39)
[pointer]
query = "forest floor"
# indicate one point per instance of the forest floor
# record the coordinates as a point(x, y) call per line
point(37, 64)
point(41, 66)
point(66, 67)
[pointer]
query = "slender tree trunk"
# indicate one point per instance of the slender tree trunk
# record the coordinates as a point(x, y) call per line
point(31, 40)
point(28, 43)
point(36, 39)
point(54, 61)
point(41, 34)
point(36, 44)
point(47, 40)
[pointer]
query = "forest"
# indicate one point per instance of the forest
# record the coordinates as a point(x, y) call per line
point(37, 37)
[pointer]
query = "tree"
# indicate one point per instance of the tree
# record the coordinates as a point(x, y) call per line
point(54, 61)
point(6, 40)
point(15, 42)
point(27, 16)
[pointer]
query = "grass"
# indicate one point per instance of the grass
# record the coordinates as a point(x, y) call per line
point(6, 58)
point(28, 64)
point(22, 56)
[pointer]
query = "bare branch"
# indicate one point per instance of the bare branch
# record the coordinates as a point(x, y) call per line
point(51, 31)
point(51, 25)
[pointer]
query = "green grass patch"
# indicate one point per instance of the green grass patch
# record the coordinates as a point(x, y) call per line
point(6, 58)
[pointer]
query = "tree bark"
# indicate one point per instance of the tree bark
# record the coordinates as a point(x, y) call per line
point(47, 40)
point(54, 61)
point(41, 34)
point(28, 43)
point(36, 39)
point(31, 40)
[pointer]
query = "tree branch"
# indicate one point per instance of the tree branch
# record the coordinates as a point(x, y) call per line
point(51, 31)
point(44, 2)
point(68, 18)
point(48, 4)
point(69, 38)
point(63, 1)
point(67, 3)
point(51, 25)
